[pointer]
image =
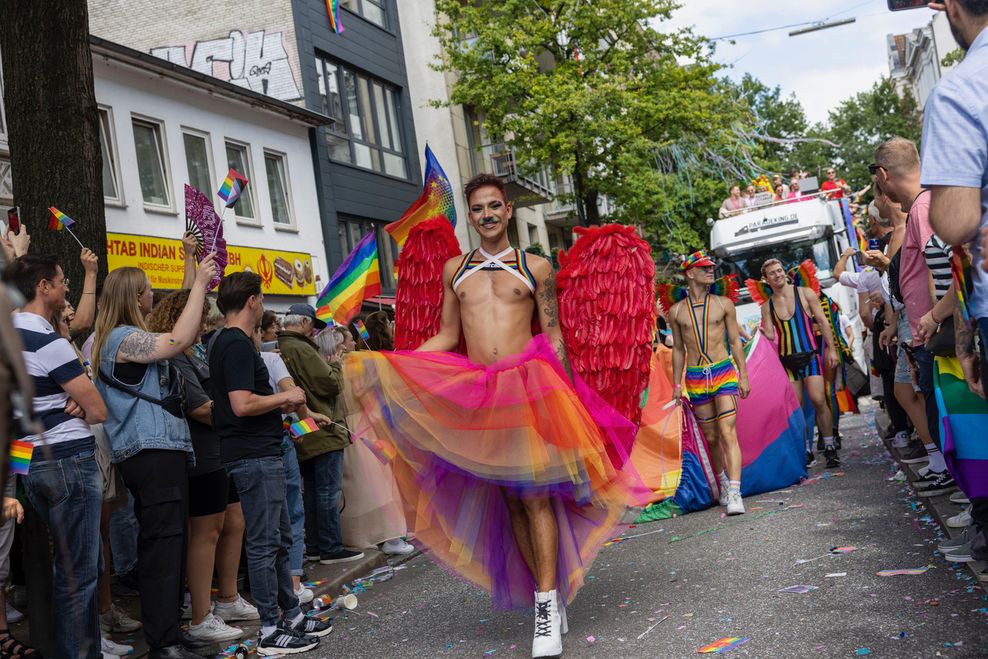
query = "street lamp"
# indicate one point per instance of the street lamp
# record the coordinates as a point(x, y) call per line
point(823, 25)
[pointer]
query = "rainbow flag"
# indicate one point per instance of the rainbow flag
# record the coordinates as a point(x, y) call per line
point(20, 457)
point(963, 417)
point(723, 645)
point(436, 199)
point(333, 9)
point(357, 278)
point(303, 427)
point(59, 220)
point(364, 334)
point(960, 267)
point(233, 186)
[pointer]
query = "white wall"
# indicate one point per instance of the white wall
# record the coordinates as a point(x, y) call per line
point(128, 92)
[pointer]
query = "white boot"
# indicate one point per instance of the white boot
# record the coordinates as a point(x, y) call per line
point(547, 641)
point(563, 625)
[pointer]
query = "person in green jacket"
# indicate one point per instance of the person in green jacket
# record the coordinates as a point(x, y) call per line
point(320, 453)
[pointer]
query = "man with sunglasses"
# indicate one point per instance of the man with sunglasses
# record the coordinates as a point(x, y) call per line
point(835, 187)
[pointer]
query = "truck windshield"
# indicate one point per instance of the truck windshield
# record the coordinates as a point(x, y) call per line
point(748, 265)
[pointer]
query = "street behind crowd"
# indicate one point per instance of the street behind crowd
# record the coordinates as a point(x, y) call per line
point(671, 587)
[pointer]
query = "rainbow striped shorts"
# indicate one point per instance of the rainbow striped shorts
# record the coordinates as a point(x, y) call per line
point(704, 383)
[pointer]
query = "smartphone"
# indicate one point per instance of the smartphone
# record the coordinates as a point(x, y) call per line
point(899, 5)
point(13, 222)
point(874, 243)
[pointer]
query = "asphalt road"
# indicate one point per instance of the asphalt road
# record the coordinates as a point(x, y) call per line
point(686, 582)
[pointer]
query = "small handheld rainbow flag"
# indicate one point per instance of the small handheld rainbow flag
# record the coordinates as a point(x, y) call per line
point(20, 457)
point(303, 427)
point(233, 186)
point(59, 220)
point(364, 334)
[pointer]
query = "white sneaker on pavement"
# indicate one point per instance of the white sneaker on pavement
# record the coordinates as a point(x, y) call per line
point(725, 486)
point(397, 547)
point(239, 609)
point(13, 615)
point(548, 642)
point(961, 519)
point(110, 648)
point(116, 620)
point(304, 594)
point(735, 506)
point(213, 630)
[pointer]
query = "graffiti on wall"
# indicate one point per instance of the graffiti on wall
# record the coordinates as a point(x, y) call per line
point(257, 61)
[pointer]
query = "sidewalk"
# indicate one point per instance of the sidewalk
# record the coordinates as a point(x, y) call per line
point(323, 580)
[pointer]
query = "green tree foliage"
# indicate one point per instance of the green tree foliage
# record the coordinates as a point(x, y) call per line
point(590, 89)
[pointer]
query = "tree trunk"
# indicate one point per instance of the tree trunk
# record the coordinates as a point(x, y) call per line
point(590, 207)
point(53, 127)
point(585, 199)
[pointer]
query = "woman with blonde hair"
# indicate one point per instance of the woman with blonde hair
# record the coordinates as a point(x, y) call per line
point(216, 521)
point(149, 437)
point(372, 512)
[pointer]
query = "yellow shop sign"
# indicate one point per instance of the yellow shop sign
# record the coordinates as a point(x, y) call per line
point(282, 273)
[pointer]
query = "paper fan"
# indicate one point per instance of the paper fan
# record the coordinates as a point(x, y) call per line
point(193, 228)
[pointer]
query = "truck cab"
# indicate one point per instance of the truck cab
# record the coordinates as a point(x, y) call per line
point(792, 231)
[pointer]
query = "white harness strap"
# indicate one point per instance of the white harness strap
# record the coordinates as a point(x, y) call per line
point(494, 259)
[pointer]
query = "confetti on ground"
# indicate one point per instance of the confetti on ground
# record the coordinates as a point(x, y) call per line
point(842, 550)
point(645, 633)
point(862, 651)
point(798, 589)
point(912, 571)
point(591, 640)
point(724, 645)
point(834, 575)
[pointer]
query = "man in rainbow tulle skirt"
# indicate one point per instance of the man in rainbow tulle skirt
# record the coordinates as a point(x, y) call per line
point(501, 455)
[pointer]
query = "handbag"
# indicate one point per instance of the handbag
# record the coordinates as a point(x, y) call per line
point(173, 401)
point(943, 343)
point(855, 380)
point(796, 361)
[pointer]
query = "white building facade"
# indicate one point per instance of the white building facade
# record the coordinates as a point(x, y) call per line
point(915, 58)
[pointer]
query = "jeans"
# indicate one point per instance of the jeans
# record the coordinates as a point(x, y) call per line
point(323, 479)
point(158, 479)
point(68, 494)
point(123, 537)
point(260, 482)
point(924, 359)
point(296, 511)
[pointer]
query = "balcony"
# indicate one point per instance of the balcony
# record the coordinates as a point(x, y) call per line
point(524, 189)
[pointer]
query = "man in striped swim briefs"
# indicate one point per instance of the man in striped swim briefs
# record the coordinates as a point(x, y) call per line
point(704, 326)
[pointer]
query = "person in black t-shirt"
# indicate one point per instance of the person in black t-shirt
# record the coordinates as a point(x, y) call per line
point(246, 416)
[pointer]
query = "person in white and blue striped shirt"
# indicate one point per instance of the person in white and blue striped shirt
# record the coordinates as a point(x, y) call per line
point(63, 482)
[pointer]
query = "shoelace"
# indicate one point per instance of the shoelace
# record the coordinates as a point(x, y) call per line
point(542, 619)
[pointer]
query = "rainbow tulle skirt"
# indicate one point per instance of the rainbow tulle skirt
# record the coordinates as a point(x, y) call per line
point(461, 436)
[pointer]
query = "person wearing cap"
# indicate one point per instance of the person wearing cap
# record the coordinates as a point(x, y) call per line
point(703, 324)
point(320, 453)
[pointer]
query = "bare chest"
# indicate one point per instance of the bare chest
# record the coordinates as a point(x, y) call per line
point(492, 286)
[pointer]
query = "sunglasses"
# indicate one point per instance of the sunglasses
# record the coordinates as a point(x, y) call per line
point(873, 168)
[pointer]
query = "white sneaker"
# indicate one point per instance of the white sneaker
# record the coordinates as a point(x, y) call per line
point(304, 595)
point(563, 625)
point(13, 615)
point(397, 547)
point(961, 519)
point(735, 506)
point(112, 649)
point(548, 642)
point(239, 609)
point(116, 620)
point(213, 630)
point(901, 440)
point(959, 497)
point(725, 487)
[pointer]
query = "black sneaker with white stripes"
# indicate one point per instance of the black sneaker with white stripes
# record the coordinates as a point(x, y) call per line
point(942, 484)
point(312, 627)
point(285, 640)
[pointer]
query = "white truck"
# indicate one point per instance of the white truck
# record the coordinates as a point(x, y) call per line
point(811, 228)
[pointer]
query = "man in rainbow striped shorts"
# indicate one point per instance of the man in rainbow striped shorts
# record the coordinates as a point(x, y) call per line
point(703, 326)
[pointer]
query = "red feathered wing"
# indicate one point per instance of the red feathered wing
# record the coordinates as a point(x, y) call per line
point(419, 298)
point(606, 292)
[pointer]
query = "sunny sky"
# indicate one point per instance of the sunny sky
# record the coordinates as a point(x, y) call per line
point(821, 68)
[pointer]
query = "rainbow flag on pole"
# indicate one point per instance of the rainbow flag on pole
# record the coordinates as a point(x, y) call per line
point(436, 199)
point(303, 427)
point(59, 220)
point(233, 186)
point(357, 278)
point(333, 9)
point(20, 457)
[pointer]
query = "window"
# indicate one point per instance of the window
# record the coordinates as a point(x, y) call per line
point(197, 161)
point(238, 158)
point(108, 147)
point(533, 235)
point(152, 166)
point(372, 10)
point(366, 127)
point(351, 230)
point(277, 171)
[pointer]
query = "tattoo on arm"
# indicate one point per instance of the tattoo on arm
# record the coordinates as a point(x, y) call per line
point(139, 347)
point(963, 335)
point(547, 298)
point(563, 359)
